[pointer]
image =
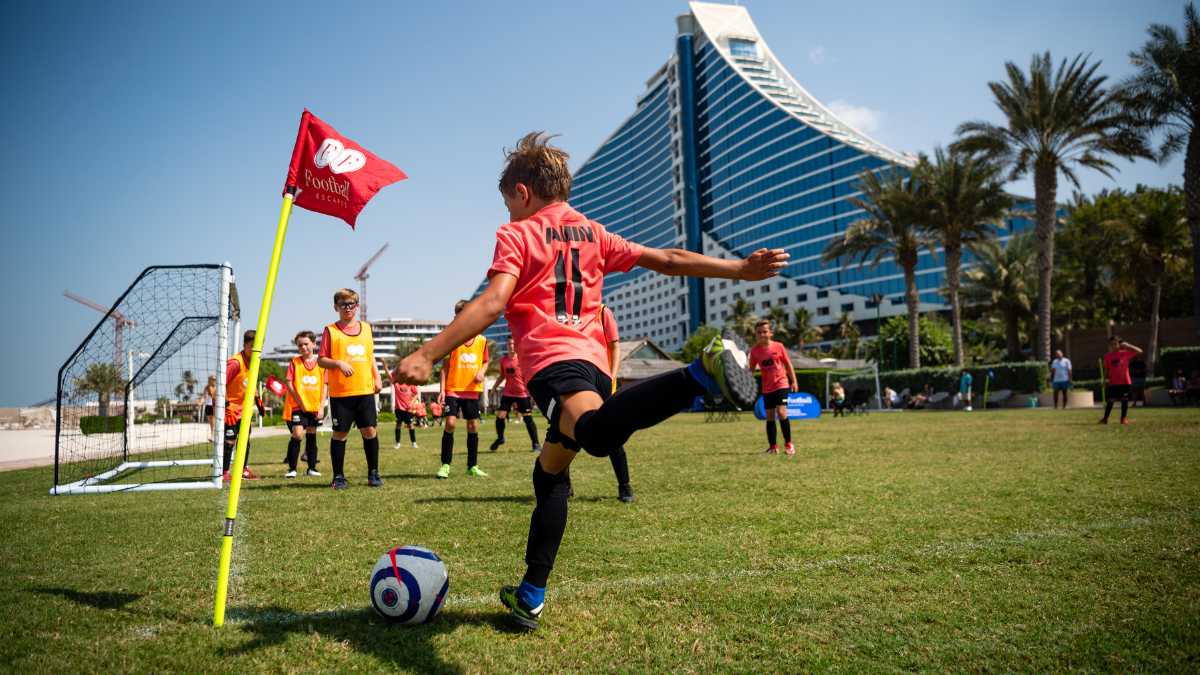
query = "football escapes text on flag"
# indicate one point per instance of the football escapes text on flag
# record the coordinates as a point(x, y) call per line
point(334, 175)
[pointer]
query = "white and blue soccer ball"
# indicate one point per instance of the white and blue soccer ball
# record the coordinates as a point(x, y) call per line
point(409, 585)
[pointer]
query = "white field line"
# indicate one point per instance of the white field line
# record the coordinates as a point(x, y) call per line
point(938, 550)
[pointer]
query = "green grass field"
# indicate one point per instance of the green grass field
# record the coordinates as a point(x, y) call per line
point(1011, 540)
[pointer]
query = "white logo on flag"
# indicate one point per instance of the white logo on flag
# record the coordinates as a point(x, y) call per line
point(356, 350)
point(334, 154)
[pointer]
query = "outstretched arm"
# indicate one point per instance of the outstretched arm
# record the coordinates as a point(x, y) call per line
point(1126, 345)
point(476, 316)
point(762, 264)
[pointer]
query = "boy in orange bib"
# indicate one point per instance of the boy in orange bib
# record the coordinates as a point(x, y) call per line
point(348, 356)
point(462, 381)
point(305, 399)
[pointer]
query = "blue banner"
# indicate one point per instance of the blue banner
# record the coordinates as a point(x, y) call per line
point(800, 406)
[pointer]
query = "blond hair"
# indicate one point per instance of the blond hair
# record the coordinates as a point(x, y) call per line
point(541, 167)
point(344, 294)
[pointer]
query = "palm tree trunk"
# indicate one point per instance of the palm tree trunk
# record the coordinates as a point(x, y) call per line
point(1191, 191)
point(1045, 187)
point(953, 262)
point(1012, 335)
point(102, 405)
point(911, 299)
point(1152, 349)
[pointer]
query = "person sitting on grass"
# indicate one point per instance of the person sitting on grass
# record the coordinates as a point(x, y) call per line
point(921, 398)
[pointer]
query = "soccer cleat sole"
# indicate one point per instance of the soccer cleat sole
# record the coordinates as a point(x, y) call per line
point(739, 381)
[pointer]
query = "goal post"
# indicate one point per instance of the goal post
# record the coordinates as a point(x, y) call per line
point(133, 408)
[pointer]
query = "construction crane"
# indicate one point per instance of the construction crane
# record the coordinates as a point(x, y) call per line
point(362, 280)
point(119, 324)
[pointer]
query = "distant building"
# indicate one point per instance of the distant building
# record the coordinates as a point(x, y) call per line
point(388, 333)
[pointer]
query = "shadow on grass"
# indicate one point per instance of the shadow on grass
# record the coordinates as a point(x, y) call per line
point(403, 647)
point(101, 600)
point(514, 499)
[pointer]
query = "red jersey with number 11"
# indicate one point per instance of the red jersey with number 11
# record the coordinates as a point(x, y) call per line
point(559, 259)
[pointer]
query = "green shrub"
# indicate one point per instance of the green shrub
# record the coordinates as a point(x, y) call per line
point(1022, 377)
point(1095, 385)
point(95, 424)
point(1172, 359)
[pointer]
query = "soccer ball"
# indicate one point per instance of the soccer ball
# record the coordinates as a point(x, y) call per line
point(408, 585)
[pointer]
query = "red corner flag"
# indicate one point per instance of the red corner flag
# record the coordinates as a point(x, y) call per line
point(333, 174)
point(275, 386)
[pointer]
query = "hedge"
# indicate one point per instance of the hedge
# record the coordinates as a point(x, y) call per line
point(1172, 359)
point(1096, 385)
point(95, 424)
point(1022, 377)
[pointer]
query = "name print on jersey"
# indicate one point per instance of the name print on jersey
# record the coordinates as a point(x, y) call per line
point(569, 233)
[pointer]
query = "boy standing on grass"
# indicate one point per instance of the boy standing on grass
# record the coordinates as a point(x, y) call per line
point(513, 394)
point(547, 275)
point(237, 372)
point(348, 354)
point(612, 342)
point(778, 379)
point(1116, 364)
point(404, 404)
point(303, 403)
point(965, 382)
point(1060, 377)
point(462, 382)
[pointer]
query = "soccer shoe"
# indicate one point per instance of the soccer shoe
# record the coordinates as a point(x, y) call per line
point(1104, 420)
point(773, 450)
point(247, 474)
point(373, 479)
point(312, 472)
point(968, 408)
point(476, 472)
point(521, 614)
point(396, 446)
point(339, 483)
point(625, 493)
point(789, 449)
point(724, 363)
point(290, 474)
point(496, 443)
point(226, 477)
point(444, 472)
point(414, 445)
point(537, 447)
point(1126, 421)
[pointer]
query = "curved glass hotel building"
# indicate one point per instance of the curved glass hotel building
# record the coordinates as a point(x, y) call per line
point(726, 153)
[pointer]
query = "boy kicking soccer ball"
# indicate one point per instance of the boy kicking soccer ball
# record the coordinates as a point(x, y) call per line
point(348, 356)
point(547, 275)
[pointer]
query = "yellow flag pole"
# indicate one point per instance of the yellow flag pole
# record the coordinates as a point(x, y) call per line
point(239, 457)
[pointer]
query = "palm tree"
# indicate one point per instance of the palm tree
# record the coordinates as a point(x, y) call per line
point(966, 203)
point(778, 317)
point(1085, 255)
point(803, 331)
point(1166, 92)
point(1003, 279)
point(892, 228)
point(848, 333)
point(1154, 234)
point(1057, 120)
point(742, 318)
point(102, 379)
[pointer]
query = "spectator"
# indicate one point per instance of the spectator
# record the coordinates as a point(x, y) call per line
point(964, 389)
point(890, 397)
point(837, 399)
point(918, 401)
point(1060, 377)
point(1178, 388)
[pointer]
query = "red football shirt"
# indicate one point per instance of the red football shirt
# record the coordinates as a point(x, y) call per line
point(1117, 365)
point(773, 360)
point(514, 379)
point(611, 334)
point(559, 259)
point(404, 393)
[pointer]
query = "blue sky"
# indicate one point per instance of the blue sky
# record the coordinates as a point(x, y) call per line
point(159, 133)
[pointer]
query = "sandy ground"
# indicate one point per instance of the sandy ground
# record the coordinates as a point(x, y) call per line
point(26, 448)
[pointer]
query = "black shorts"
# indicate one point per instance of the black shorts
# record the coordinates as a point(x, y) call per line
point(231, 430)
point(350, 411)
point(208, 411)
point(559, 379)
point(524, 406)
point(404, 417)
point(303, 419)
point(1116, 392)
point(774, 399)
point(465, 408)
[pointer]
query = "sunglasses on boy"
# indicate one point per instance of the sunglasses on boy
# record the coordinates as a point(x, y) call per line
point(347, 305)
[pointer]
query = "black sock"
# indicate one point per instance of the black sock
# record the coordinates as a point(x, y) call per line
point(371, 450)
point(397, 433)
point(638, 406)
point(1124, 408)
point(412, 435)
point(531, 427)
point(1108, 409)
point(447, 447)
point(786, 426)
point(547, 524)
point(771, 433)
point(228, 459)
point(310, 448)
point(293, 452)
point(472, 448)
point(620, 464)
point(500, 423)
point(337, 456)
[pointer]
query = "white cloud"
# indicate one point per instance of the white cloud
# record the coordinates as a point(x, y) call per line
point(817, 55)
point(860, 117)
